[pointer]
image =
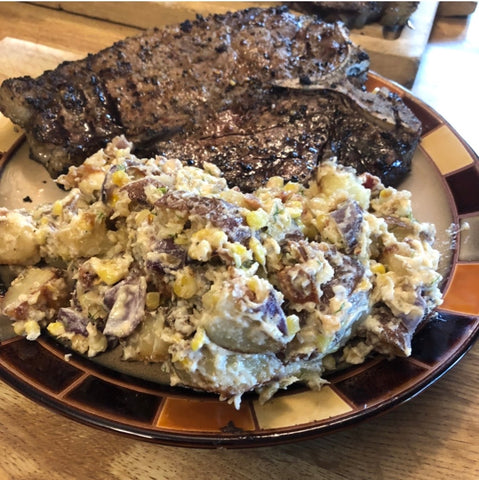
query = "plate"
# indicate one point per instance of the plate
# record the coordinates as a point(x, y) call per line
point(125, 398)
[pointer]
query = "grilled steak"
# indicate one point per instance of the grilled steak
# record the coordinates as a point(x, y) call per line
point(155, 84)
point(261, 92)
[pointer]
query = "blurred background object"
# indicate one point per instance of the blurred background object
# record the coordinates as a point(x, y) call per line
point(393, 16)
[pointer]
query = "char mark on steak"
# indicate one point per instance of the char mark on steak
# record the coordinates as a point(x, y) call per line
point(259, 92)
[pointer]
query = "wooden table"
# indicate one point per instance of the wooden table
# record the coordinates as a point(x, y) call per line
point(433, 436)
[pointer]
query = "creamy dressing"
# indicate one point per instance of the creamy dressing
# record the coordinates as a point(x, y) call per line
point(230, 291)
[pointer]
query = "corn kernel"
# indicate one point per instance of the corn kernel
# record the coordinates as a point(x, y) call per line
point(321, 220)
point(56, 328)
point(378, 268)
point(238, 249)
point(201, 234)
point(109, 276)
point(295, 208)
point(110, 271)
point(259, 287)
point(185, 285)
point(257, 219)
point(120, 178)
point(57, 208)
point(152, 300)
point(259, 252)
point(385, 193)
point(32, 329)
point(253, 284)
point(292, 187)
point(198, 340)
point(186, 362)
point(114, 198)
point(239, 253)
point(292, 324)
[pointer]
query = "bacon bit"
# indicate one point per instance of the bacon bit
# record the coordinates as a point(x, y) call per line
point(370, 181)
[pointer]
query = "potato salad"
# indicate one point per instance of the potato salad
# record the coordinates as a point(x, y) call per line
point(230, 292)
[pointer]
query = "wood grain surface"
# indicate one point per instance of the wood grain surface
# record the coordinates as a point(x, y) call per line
point(434, 436)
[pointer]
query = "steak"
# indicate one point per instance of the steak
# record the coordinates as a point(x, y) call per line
point(291, 130)
point(259, 92)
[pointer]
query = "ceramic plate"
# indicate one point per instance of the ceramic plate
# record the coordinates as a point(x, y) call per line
point(124, 397)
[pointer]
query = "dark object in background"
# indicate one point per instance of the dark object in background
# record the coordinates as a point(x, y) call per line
point(392, 15)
